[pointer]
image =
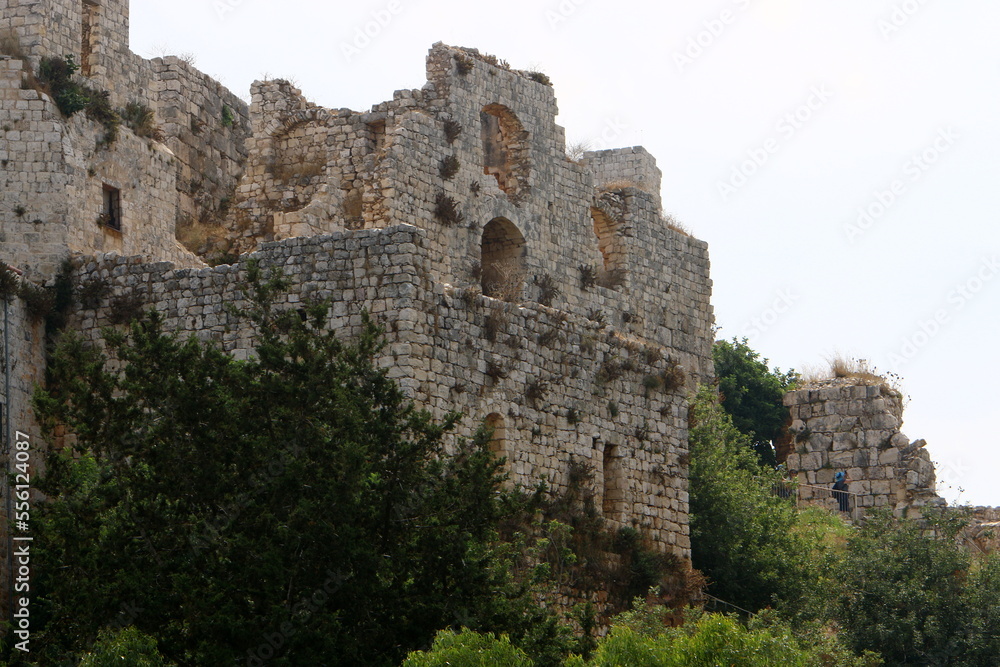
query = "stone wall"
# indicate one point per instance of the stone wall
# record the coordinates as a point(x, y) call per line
point(55, 173)
point(22, 349)
point(634, 166)
point(845, 425)
point(514, 284)
point(313, 170)
point(204, 130)
point(557, 386)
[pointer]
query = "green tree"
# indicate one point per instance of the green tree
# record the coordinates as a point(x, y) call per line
point(294, 508)
point(469, 649)
point(743, 536)
point(752, 394)
point(124, 648)
point(912, 592)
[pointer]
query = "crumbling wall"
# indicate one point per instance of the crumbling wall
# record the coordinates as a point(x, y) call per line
point(843, 425)
point(625, 167)
point(203, 124)
point(478, 147)
point(206, 127)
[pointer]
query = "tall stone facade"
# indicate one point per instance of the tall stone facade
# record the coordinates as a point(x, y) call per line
point(545, 296)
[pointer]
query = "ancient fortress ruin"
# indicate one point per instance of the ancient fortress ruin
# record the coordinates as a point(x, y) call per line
point(547, 296)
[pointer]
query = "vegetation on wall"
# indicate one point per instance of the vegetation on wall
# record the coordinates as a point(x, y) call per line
point(56, 78)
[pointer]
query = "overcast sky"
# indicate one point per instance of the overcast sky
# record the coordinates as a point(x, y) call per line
point(840, 158)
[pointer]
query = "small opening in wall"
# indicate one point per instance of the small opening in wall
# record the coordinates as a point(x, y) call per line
point(498, 441)
point(614, 491)
point(377, 132)
point(88, 36)
point(505, 149)
point(111, 215)
point(605, 229)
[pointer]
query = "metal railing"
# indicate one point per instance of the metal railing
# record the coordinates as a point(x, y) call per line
point(790, 489)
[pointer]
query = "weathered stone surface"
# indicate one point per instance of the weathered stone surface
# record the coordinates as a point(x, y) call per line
point(450, 213)
point(854, 428)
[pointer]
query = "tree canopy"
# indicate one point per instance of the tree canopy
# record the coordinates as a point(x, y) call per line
point(294, 508)
point(752, 394)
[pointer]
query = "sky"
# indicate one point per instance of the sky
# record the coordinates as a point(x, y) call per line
point(840, 159)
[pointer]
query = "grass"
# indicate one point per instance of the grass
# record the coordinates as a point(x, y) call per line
point(857, 370)
point(141, 120)
point(619, 184)
point(495, 323)
point(547, 289)
point(507, 282)
point(536, 390)
point(464, 64)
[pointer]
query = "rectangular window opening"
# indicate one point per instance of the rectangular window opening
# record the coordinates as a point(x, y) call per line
point(88, 36)
point(377, 130)
point(111, 216)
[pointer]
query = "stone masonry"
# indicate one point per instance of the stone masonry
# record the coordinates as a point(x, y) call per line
point(850, 426)
point(545, 296)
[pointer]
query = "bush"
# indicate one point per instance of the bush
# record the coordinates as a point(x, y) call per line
point(752, 394)
point(469, 649)
point(712, 639)
point(917, 596)
point(124, 648)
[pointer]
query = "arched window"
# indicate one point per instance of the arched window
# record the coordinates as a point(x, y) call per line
point(502, 260)
point(505, 149)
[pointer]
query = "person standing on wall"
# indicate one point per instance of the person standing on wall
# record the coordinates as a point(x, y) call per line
point(840, 491)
